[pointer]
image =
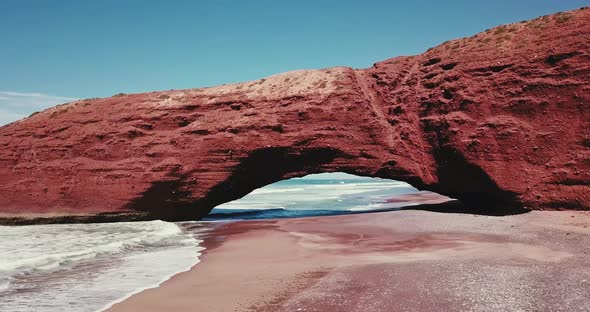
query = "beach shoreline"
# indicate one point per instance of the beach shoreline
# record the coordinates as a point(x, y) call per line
point(402, 261)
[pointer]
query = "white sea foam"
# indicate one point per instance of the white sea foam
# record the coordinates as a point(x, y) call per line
point(367, 207)
point(261, 191)
point(87, 267)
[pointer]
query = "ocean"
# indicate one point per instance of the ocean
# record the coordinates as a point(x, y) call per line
point(89, 267)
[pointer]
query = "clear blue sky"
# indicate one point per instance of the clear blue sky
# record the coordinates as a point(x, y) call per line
point(52, 51)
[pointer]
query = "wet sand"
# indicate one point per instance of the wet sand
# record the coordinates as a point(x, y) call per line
point(391, 261)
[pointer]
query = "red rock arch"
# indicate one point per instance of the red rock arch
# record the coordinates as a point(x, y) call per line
point(488, 120)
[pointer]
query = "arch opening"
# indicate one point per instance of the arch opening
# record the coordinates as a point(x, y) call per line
point(332, 193)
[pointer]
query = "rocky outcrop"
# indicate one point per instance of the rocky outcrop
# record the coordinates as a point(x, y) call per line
point(500, 121)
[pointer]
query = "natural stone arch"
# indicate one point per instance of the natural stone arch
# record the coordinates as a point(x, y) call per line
point(459, 180)
point(492, 123)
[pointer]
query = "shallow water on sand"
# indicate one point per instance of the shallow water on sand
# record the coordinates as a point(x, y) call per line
point(88, 267)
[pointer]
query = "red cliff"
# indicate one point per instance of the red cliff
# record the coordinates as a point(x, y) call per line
point(500, 120)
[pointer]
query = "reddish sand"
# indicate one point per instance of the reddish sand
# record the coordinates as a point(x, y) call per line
point(497, 120)
point(394, 261)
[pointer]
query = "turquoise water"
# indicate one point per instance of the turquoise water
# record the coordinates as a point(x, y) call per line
point(323, 194)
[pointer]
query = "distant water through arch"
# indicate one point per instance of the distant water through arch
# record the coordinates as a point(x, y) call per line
point(324, 194)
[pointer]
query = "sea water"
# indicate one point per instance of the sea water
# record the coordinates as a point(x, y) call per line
point(323, 194)
point(88, 267)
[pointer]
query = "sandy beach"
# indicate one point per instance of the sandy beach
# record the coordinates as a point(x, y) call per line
point(392, 261)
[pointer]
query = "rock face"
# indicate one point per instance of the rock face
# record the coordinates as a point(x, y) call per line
point(500, 121)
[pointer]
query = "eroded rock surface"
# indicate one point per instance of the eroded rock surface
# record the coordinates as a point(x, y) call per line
point(500, 120)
